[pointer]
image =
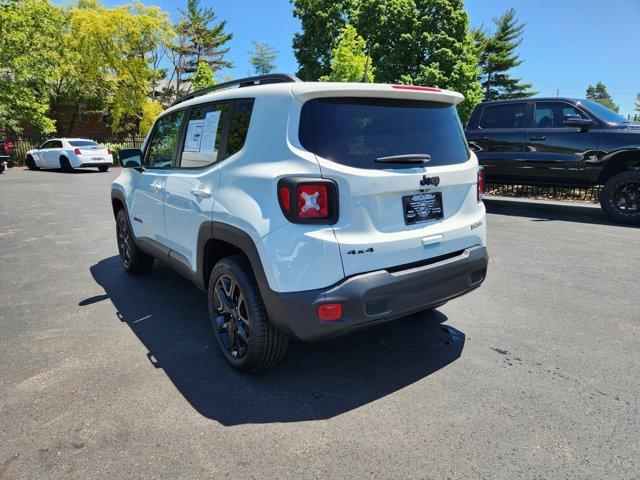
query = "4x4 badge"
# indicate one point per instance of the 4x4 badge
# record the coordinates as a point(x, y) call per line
point(435, 181)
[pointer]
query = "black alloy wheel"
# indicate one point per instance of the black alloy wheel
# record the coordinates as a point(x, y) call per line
point(124, 241)
point(233, 326)
point(620, 197)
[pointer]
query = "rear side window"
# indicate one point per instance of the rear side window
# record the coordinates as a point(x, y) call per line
point(509, 115)
point(83, 143)
point(357, 131)
point(239, 126)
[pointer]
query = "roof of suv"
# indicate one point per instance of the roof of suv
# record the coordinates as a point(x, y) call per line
point(532, 99)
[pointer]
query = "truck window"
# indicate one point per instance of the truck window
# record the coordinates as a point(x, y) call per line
point(508, 115)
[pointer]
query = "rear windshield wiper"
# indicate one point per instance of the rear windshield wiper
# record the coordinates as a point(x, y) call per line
point(411, 159)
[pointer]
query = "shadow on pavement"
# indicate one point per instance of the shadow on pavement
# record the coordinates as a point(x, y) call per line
point(59, 170)
point(315, 381)
point(543, 212)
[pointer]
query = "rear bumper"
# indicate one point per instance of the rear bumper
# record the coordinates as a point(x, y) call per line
point(376, 297)
point(95, 164)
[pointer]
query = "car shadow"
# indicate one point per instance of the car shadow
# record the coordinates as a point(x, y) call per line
point(545, 212)
point(315, 381)
point(59, 170)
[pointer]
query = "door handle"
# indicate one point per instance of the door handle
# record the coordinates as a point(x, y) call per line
point(538, 138)
point(201, 193)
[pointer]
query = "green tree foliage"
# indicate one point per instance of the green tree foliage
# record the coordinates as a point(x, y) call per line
point(411, 41)
point(497, 55)
point(262, 58)
point(600, 94)
point(200, 37)
point(637, 105)
point(30, 48)
point(349, 60)
point(151, 110)
point(203, 77)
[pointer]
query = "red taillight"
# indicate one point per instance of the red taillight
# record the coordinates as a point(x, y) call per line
point(308, 200)
point(77, 151)
point(480, 184)
point(313, 201)
point(416, 87)
point(285, 199)
point(330, 312)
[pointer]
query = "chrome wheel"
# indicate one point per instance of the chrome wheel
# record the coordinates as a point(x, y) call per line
point(233, 328)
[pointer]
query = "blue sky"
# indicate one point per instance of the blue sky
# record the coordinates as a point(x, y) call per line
point(568, 44)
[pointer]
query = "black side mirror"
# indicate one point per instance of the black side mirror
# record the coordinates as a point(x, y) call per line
point(130, 157)
point(578, 122)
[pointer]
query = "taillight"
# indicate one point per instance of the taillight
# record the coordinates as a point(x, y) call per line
point(308, 200)
point(77, 151)
point(480, 184)
point(330, 312)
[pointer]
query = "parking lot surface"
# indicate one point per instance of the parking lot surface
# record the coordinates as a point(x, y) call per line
point(104, 375)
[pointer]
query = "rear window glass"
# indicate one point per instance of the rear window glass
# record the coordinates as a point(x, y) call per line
point(83, 143)
point(509, 115)
point(357, 131)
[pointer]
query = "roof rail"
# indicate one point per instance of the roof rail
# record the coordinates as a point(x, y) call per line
point(241, 82)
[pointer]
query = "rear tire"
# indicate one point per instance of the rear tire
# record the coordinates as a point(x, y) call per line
point(31, 163)
point(133, 259)
point(242, 329)
point(620, 197)
point(103, 169)
point(65, 165)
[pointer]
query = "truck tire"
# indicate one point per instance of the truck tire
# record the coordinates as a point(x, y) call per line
point(620, 197)
point(133, 259)
point(242, 329)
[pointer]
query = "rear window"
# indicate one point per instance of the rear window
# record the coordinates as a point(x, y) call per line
point(357, 131)
point(83, 143)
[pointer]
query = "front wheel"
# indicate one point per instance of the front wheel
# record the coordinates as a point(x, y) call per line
point(620, 197)
point(242, 329)
point(133, 259)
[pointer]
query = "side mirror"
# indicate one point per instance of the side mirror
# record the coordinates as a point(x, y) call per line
point(130, 157)
point(578, 122)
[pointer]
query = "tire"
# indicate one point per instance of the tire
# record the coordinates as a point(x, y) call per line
point(133, 259)
point(103, 169)
point(65, 165)
point(31, 163)
point(2, 167)
point(620, 197)
point(235, 305)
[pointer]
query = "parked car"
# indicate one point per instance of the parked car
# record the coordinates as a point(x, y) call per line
point(563, 142)
point(306, 210)
point(69, 153)
point(6, 146)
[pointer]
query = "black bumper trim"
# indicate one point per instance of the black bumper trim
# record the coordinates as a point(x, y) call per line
point(402, 292)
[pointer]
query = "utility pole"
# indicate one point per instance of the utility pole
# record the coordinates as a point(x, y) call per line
point(557, 93)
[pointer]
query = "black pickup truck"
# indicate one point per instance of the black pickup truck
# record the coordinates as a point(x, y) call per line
point(560, 141)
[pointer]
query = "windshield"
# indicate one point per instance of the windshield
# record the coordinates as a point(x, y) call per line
point(83, 143)
point(603, 113)
point(358, 131)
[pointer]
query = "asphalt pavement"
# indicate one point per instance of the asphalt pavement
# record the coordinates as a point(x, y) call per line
point(104, 375)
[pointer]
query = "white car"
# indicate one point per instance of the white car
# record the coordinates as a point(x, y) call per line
point(69, 153)
point(306, 210)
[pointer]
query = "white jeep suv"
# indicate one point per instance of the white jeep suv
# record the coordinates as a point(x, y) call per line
point(306, 210)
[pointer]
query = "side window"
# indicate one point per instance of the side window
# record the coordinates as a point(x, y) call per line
point(56, 144)
point(553, 114)
point(46, 145)
point(204, 140)
point(163, 141)
point(508, 115)
point(239, 126)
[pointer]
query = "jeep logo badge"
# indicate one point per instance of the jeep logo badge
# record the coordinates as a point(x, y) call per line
point(435, 181)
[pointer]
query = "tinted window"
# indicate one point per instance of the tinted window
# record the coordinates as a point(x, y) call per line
point(163, 141)
point(509, 115)
point(203, 142)
point(553, 114)
point(47, 144)
point(603, 112)
point(239, 126)
point(357, 131)
point(83, 143)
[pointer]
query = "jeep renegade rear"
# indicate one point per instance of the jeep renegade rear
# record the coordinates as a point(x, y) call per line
point(306, 210)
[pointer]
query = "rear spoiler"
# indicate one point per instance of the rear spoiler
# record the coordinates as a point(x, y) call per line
point(304, 91)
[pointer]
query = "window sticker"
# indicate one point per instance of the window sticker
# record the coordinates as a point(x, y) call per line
point(194, 136)
point(209, 131)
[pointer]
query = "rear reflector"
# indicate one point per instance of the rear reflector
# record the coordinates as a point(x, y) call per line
point(480, 184)
point(416, 87)
point(330, 312)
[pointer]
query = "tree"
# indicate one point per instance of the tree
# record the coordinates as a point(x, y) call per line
point(497, 55)
point(349, 60)
point(638, 103)
point(262, 57)
point(203, 77)
point(151, 110)
point(599, 94)
point(30, 44)
point(199, 38)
